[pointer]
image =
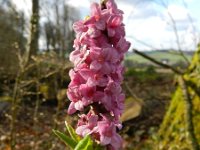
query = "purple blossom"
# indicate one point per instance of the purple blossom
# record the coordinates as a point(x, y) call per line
point(99, 50)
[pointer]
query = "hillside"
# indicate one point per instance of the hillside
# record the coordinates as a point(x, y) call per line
point(162, 55)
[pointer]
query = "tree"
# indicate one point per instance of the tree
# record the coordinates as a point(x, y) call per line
point(12, 38)
point(58, 30)
point(180, 128)
point(34, 35)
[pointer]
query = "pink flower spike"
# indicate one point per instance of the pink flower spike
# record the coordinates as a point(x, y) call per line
point(97, 75)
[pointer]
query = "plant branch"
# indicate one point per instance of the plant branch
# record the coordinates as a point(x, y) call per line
point(143, 43)
point(137, 99)
point(174, 26)
point(14, 111)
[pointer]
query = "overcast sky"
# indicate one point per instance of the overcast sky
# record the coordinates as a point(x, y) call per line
point(148, 24)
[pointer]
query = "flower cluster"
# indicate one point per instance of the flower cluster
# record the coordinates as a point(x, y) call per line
point(100, 45)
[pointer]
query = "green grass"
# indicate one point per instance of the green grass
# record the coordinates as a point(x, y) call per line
point(158, 55)
point(143, 75)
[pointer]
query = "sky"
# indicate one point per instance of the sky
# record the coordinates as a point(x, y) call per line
point(148, 23)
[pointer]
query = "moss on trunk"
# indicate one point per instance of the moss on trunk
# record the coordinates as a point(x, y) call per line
point(173, 133)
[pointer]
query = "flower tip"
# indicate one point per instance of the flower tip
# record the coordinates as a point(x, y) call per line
point(86, 17)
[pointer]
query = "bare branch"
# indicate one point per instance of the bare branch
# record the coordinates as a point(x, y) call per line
point(195, 39)
point(143, 43)
point(158, 63)
point(174, 26)
point(132, 94)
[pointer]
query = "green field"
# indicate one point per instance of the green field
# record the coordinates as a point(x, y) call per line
point(160, 56)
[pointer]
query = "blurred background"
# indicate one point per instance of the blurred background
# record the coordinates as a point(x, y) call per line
point(36, 38)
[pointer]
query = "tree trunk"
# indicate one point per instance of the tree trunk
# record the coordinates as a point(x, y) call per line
point(181, 128)
point(34, 35)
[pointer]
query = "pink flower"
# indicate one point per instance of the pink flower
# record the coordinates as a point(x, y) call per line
point(101, 128)
point(79, 27)
point(86, 124)
point(107, 132)
point(96, 78)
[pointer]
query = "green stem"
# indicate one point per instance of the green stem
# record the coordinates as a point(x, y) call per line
point(14, 112)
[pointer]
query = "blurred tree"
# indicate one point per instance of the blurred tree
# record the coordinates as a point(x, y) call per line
point(34, 35)
point(58, 27)
point(12, 38)
point(49, 35)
